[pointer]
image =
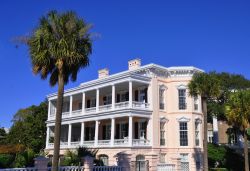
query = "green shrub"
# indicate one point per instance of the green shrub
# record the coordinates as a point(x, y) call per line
point(6, 160)
point(218, 169)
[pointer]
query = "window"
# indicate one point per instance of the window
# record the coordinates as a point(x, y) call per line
point(93, 102)
point(142, 129)
point(183, 134)
point(162, 133)
point(210, 136)
point(105, 159)
point(124, 130)
point(107, 100)
point(197, 133)
point(106, 132)
point(184, 162)
point(65, 107)
point(79, 105)
point(196, 105)
point(161, 98)
point(162, 158)
point(182, 99)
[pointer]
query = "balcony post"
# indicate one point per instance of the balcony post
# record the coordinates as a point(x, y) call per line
point(82, 133)
point(130, 131)
point(70, 105)
point(69, 135)
point(49, 110)
point(113, 97)
point(112, 138)
point(130, 94)
point(83, 103)
point(47, 137)
point(97, 100)
point(96, 132)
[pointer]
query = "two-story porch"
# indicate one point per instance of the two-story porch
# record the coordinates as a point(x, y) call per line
point(130, 131)
point(114, 115)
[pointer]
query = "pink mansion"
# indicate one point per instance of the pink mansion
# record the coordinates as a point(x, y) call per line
point(143, 114)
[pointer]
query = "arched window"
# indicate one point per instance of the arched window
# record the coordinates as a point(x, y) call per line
point(140, 158)
point(105, 159)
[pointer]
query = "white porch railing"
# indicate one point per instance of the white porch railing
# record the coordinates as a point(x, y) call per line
point(141, 142)
point(107, 168)
point(77, 112)
point(165, 167)
point(20, 169)
point(122, 105)
point(105, 107)
point(104, 142)
point(121, 141)
point(142, 105)
point(88, 143)
point(75, 144)
point(65, 114)
point(91, 109)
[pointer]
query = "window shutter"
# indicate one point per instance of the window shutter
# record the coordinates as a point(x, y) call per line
point(104, 132)
point(127, 96)
point(118, 98)
point(87, 133)
point(117, 131)
point(136, 95)
point(88, 103)
point(126, 128)
point(136, 130)
point(146, 94)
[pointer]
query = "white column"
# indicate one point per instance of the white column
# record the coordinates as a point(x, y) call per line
point(113, 97)
point(112, 139)
point(70, 105)
point(130, 94)
point(83, 103)
point(47, 137)
point(96, 132)
point(82, 134)
point(49, 110)
point(215, 130)
point(130, 131)
point(150, 131)
point(97, 100)
point(69, 135)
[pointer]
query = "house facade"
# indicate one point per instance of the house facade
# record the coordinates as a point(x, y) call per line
point(142, 114)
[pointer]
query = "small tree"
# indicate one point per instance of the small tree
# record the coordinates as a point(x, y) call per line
point(238, 114)
point(207, 86)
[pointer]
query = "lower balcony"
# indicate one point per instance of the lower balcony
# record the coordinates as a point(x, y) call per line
point(131, 131)
point(104, 143)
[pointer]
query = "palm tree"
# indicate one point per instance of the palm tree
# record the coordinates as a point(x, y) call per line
point(238, 114)
point(59, 47)
point(207, 86)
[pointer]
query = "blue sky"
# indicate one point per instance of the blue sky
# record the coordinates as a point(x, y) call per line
point(211, 35)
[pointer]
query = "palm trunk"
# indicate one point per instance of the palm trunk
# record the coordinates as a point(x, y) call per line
point(205, 155)
point(59, 106)
point(246, 151)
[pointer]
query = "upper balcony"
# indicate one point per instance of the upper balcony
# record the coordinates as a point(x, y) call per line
point(114, 97)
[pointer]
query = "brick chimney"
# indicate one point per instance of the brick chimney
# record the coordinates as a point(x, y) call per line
point(134, 64)
point(102, 73)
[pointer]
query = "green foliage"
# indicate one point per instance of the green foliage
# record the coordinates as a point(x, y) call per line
point(74, 157)
point(205, 84)
point(6, 160)
point(238, 109)
point(224, 157)
point(61, 43)
point(2, 136)
point(216, 154)
point(29, 127)
point(19, 161)
point(228, 83)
